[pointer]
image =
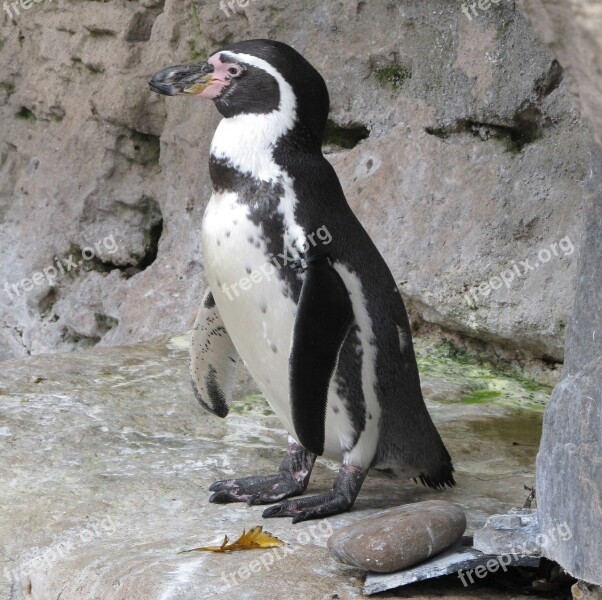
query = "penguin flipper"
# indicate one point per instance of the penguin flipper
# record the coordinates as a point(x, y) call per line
point(324, 317)
point(213, 359)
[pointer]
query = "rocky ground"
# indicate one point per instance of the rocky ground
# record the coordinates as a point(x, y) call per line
point(107, 459)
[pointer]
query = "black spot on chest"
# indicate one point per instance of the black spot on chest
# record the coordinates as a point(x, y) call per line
point(263, 202)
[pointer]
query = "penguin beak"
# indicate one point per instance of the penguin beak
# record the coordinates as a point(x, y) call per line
point(183, 79)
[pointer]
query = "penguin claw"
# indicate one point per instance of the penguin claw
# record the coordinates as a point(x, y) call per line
point(222, 497)
point(218, 486)
point(279, 510)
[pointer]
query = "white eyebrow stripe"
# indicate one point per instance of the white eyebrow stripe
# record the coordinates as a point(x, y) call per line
point(288, 102)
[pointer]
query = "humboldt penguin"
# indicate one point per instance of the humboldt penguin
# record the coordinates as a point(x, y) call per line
point(298, 291)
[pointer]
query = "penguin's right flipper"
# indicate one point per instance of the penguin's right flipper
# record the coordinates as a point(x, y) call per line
point(324, 317)
point(213, 359)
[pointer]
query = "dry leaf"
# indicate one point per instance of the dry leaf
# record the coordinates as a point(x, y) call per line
point(249, 540)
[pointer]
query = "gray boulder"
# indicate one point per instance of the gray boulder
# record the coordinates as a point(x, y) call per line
point(569, 463)
point(514, 533)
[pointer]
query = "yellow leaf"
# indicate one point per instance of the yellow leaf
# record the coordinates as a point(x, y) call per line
point(249, 540)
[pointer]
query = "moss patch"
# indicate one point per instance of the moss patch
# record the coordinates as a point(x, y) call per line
point(251, 403)
point(25, 114)
point(344, 137)
point(481, 384)
point(393, 75)
point(481, 396)
point(195, 53)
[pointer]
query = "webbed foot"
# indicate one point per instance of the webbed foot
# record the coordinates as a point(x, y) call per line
point(291, 480)
point(340, 499)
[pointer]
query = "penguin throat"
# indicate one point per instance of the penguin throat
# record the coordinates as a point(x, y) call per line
point(246, 141)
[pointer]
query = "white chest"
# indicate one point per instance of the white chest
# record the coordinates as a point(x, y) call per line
point(250, 296)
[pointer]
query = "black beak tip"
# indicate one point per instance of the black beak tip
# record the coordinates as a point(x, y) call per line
point(167, 89)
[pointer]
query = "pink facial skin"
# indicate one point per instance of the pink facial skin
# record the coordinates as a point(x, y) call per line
point(221, 77)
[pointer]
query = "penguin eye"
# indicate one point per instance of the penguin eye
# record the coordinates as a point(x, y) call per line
point(234, 70)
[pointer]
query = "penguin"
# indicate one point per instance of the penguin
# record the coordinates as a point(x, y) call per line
point(298, 291)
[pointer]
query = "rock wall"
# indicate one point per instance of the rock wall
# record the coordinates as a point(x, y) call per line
point(572, 30)
point(569, 463)
point(455, 137)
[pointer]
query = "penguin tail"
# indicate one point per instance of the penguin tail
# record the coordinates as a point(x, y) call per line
point(438, 482)
point(438, 472)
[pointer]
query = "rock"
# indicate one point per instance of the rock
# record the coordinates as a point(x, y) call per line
point(461, 561)
point(515, 532)
point(584, 343)
point(569, 463)
point(569, 472)
point(572, 31)
point(106, 461)
point(399, 538)
point(585, 591)
point(473, 147)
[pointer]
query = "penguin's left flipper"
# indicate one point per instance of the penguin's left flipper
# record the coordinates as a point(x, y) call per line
point(213, 359)
point(324, 318)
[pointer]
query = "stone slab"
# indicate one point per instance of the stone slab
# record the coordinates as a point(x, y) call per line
point(449, 562)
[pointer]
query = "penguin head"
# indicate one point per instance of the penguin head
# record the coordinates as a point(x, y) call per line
point(254, 77)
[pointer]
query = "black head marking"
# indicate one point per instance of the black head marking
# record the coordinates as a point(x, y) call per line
point(258, 92)
point(255, 91)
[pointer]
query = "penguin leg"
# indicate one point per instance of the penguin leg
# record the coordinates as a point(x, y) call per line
point(340, 499)
point(291, 480)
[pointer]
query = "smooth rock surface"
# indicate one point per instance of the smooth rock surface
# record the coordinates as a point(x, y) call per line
point(399, 538)
point(475, 161)
point(106, 461)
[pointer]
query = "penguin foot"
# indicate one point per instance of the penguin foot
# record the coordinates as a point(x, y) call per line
point(340, 499)
point(291, 480)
